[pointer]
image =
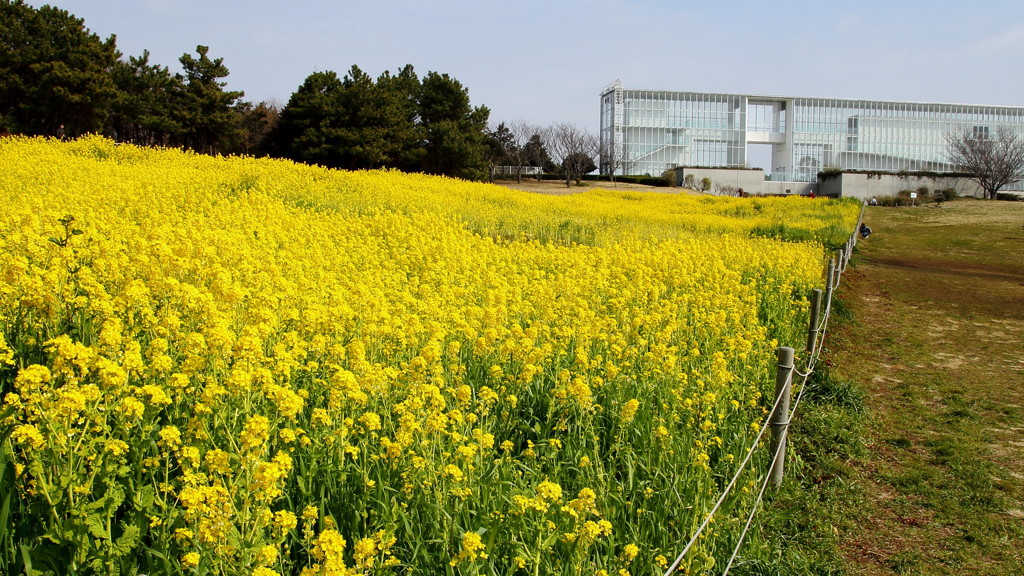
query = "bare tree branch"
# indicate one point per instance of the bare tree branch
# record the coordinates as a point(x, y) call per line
point(521, 132)
point(614, 160)
point(573, 149)
point(991, 162)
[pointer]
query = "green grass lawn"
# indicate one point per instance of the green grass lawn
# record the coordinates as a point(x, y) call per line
point(909, 458)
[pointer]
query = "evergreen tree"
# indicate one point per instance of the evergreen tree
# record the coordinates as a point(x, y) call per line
point(54, 73)
point(57, 78)
point(395, 121)
point(501, 147)
point(454, 130)
point(144, 111)
point(306, 130)
point(206, 111)
point(537, 155)
point(361, 122)
point(397, 97)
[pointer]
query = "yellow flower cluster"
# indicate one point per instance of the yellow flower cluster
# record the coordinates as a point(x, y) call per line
point(239, 366)
point(472, 548)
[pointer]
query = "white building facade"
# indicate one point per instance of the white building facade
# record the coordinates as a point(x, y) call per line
point(650, 131)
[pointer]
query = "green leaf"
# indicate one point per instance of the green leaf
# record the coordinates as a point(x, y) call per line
point(96, 526)
point(114, 497)
point(126, 543)
point(26, 559)
point(143, 498)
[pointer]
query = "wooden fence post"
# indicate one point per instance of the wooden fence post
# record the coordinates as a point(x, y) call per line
point(830, 281)
point(812, 333)
point(780, 415)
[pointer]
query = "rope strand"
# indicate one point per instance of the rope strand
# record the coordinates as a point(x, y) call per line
point(805, 375)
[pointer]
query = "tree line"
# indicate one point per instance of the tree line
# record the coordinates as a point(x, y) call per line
point(396, 121)
point(59, 79)
point(561, 148)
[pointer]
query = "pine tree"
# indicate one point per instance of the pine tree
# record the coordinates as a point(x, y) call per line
point(206, 111)
point(306, 130)
point(53, 72)
point(144, 111)
point(454, 130)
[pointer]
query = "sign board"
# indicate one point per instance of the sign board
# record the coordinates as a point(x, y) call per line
point(913, 194)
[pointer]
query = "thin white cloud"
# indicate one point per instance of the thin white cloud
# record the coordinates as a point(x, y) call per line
point(1003, 42)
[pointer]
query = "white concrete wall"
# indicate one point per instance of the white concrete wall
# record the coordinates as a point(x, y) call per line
point(790, 188)
point(751, 181)
point(865, 186)
point(847, 184)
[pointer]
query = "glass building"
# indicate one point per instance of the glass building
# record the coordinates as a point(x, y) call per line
point(650, 131)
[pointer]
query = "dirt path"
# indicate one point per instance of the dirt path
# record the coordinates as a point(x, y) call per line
point(938, 347)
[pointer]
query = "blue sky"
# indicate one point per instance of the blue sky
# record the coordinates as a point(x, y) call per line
point(547, 61)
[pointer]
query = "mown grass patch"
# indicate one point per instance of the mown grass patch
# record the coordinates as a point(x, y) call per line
point(933, 484)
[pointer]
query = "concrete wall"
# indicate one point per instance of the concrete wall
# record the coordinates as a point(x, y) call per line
point(865, 186)
point(789, 188)
point(751, 181)
point(847, 184)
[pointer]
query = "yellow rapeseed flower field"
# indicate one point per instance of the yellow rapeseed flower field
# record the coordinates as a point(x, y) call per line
point(253, 367)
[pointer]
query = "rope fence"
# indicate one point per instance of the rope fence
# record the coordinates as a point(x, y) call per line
point(781, 414)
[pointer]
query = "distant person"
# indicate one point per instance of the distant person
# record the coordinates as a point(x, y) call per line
point(811, 195)
point(864, 230)
point(874, 201)
point(60, 132)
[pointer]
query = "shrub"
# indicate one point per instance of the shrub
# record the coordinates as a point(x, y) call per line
point(669, 176)
point(645, 180)
point(830, 172)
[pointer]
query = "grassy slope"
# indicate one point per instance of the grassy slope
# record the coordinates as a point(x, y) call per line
point(939, 305)
point(918, 466)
